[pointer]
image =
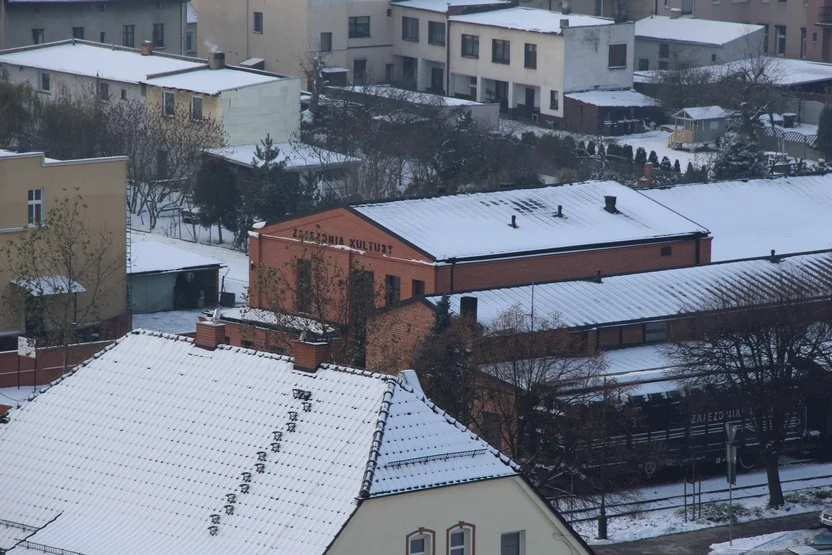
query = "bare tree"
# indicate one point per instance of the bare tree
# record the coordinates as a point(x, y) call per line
point(765, 347)
point(63, 274)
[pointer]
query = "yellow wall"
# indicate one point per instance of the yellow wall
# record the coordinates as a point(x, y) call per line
point(101, 182)
point(380, 526)
point(211, 107)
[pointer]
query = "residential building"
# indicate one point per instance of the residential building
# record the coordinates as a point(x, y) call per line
point(191, 34)
point(299, 457)
point(248, 103)
point(354, 39)
point(665, 42)
point(128, 24)
point(31, 184)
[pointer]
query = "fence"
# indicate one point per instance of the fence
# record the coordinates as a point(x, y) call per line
point(50, 364)
point(796, 145)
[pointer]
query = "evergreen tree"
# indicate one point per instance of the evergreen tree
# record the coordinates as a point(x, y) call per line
point(217, 196)
point(640, 157)
point(581, 148)
point(443, 315)
point(665, 164)
point(590, 148)
point(601, 150)
point(676, 167)
point(824, 140)
point(653, 158)
point(740, 158)
point(627, 153)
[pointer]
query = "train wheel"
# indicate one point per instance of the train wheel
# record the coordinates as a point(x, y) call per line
point(650, 468)
point(748, 460)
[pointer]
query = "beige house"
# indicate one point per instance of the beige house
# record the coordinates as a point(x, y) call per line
point(300, 457)
point(30, 184)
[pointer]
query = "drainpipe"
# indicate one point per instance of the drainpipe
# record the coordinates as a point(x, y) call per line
point(183, 16)
point(248, 29)
point(448, 54)
point(698, 250)
point(453, 264)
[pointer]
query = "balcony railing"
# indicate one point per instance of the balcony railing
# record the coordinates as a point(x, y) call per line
point(825, 15)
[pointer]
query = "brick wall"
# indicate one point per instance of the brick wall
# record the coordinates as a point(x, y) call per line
point(50, 364)
point(393, 335)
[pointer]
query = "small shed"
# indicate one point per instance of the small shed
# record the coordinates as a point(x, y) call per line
point(698, 126)
point(163, 277)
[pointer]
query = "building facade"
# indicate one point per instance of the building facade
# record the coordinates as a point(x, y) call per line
point(110, 22)
point(31, 183)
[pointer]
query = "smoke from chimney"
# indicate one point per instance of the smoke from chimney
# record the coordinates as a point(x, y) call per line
point(210, 46)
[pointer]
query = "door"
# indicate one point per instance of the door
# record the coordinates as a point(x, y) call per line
point(474, 89)
point(408, 70)
point(529, 100)
point(436, 80)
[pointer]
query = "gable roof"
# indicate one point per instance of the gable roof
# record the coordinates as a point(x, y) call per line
point(467, 226)
point(689, 29)
point(750, 217)
point(702, 112)
point(162, 432)
point(643, 296)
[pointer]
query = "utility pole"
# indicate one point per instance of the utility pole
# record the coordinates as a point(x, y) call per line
point(731, 474)
point(602, 517)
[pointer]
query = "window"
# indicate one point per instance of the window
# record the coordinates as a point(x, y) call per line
point(359, 27)
point(159, 35)
point(196, 108)
point(168, 104)
point(128, 34)
point(359, 70)
point(780, 40)
point(190, 42)
point(35, 206)
point(655, 331)
point(530, 56)
point(102, 37)
point(643, 64)
point(765, 37)
point(246, 344)
point(803, 42)
point(500, 51)
point(304, 285)
point(162, 167)
point(124, 94)
point(460, 539)
point(78, 33)
point(394, 289)
point(814, 37)
point(436, 33)
point(104, 91)
point(410, 29)
point(420, 542)
point(258, 22)
point(418, 288)
point(667, 251)
point(713, 58)
point(554, 100)
point(470, 46)
point(37, 36)
point(664, 50)
point(618, 56)
point(45, 82)
point(389, 69)
point(326, 42)
point(663, 65)
point(512, 543)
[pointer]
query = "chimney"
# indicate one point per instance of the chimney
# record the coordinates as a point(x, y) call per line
point(147, 48)
point(560, 211)
point(566, 9)
point(564, 23)
point(309, 354)
point(209, 334)
point(598, 277)
point(620, 11)
point(647, 180)
point(513, 222)
point(468, 309)
point(609, 204)
point(774, 258)
point(216, 60)
point(675, 13)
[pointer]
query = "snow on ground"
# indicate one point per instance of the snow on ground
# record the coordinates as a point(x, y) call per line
point(649, 524)
point(172, 321)
point(657, 140)
point(777, 541)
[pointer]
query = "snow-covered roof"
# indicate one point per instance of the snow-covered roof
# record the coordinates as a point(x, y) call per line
point(749, 218)
point(702, 112)
point(786, 71)
point(643, 296)
point(414, 97)
point(263, 317)
point(478, 224)
point(530, 19)
point(442, 6)
point(621, 98)
point(91, 60)
point(689, 29)
point(298, 156)
point(192, 16)
point(49, 285)
point(152, 257)
point(133, 453)
point(212, 81)
point(11, 154)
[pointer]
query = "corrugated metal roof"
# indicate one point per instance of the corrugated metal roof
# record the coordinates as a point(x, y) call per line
point(644, 296)
point(749, 218)
point(478, 224)
point(135, 451)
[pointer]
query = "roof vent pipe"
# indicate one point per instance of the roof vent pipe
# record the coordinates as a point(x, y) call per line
point(773, 257)
point(513, 221)
point(560, 211)
point(598, 276)
point(609, 204)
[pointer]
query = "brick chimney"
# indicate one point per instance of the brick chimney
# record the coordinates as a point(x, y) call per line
point(566, 7)
point(147, 48)
point(609, 204)
point(468, 309)
point(209, 334)
point(216, 60)
point(309, 354)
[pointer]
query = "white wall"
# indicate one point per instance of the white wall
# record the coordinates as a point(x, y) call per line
point(69, 84)
point(249, 113)
point(698, 54)
point(421, 49)
point(381, 525)
point(587, 57)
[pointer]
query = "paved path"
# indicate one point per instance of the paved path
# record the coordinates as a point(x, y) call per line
point(697, 542)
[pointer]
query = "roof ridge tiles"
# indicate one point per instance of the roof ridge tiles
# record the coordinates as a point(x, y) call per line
point(378, 438)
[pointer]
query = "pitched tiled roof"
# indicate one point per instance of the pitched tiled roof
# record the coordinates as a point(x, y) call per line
point(139, 447)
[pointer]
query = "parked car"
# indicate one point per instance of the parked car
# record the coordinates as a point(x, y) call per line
point(826, 517)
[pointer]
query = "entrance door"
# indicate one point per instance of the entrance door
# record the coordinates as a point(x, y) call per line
point(436, 80)
point(501, 94)
point(529, 100)
point(409, 71)
point(474, 89)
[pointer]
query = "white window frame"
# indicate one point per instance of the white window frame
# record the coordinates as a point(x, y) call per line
point(422, 534)
point(201, 106)
point(33, 203)
point(172, 104)
point(48, 76)
point(102, 86)
point(468, 546)
point(521, 534)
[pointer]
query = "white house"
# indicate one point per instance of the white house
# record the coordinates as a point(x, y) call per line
point(528, 59)
point(666, 42)
point(164, 444)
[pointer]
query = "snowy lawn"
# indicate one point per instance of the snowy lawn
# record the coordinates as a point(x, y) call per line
point(778, 541)
point(172, 321)
point(657, 140)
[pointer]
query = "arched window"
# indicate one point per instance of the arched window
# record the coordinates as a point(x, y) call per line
point(421, 542)
point(461, 539)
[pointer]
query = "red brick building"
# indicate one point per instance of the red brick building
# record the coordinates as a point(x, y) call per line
point(461, 242)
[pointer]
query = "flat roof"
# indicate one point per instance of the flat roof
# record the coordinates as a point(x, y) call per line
point(644, 296)
point(297, 156)
point(471, 225)
point(151, 257)
point(689, 29)
point(530, 19)
point(405, 95)
point(625, 98)
point(750, 217)
point(783, 71)
point(442, 6)
point(212, 81)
